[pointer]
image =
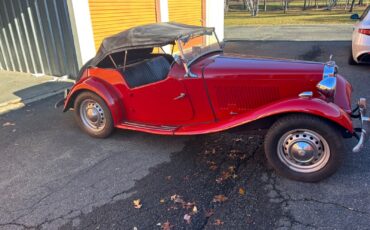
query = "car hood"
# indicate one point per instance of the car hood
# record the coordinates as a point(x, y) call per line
point(236, 66)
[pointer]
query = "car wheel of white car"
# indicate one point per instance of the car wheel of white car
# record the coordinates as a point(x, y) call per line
point(351, 60)
point(303, 147)
point(93, 115)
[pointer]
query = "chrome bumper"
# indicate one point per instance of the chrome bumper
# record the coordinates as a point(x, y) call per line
point(365, 125)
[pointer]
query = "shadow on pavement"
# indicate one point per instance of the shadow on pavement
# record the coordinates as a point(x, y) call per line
point(227, 164)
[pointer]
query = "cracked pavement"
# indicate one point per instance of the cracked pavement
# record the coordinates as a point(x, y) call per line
point(54, 176)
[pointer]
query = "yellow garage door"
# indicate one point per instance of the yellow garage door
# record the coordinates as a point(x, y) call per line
point(109, 17)
point(190, 12)
point(186, 11)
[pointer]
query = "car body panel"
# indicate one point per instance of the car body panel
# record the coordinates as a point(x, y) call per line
point(228, 91)
point(238, 85)
point(361, 42)
point(314, 106)
point(343, 94)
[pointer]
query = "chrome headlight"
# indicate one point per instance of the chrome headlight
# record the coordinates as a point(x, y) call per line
point(328, 84)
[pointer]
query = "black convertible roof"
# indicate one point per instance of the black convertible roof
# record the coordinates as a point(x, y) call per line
point(151, 35)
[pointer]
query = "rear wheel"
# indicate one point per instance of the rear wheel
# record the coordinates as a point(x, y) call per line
point(303, 147)
point(93, 115)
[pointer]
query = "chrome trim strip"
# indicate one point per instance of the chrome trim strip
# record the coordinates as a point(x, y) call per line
point(307, 94)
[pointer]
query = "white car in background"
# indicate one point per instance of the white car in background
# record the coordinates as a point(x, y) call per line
point(361, 38)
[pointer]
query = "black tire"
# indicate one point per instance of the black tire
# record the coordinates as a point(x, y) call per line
point(103, 131)
point(329, 132)
point(351, 61)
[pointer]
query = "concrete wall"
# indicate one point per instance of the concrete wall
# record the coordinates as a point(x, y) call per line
point(215, 16)
point(82, 30)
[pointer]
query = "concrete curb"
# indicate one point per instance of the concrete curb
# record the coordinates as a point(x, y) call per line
point(20, 103)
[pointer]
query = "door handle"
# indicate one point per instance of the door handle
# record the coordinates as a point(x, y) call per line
point(182, 95)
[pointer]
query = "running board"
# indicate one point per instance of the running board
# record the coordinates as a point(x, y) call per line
point(160, 129)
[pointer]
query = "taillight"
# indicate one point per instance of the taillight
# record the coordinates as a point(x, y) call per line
point(364, 31)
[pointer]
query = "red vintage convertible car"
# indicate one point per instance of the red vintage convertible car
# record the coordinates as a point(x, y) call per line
point(137, 82)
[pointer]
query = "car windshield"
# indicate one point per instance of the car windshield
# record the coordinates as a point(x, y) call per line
point(193, 48)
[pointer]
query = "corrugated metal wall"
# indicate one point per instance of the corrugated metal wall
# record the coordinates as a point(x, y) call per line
point(36, 37)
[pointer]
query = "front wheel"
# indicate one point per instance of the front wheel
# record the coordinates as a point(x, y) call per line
point(303, 147)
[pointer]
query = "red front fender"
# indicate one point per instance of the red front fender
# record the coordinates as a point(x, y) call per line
point(102, 89)
point(315, 106)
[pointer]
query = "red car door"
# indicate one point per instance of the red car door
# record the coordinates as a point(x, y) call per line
point(161, 103)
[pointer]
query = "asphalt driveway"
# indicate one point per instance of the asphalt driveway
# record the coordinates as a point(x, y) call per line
point(54, 176)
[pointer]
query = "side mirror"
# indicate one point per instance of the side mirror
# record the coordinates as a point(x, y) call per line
point(355, 17)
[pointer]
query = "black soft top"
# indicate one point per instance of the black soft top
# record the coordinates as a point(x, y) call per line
point(151, 35)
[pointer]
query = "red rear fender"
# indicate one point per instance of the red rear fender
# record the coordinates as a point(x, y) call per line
point(103, 90)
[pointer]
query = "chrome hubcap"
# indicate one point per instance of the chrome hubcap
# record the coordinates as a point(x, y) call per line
point(92, 115)
point(303, 151)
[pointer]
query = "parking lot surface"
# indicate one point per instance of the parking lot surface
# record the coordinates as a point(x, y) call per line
point(54, 176)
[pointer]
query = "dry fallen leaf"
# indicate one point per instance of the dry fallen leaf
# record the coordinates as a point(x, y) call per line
point(219, 198)
point(177, 199)
point(187, 218)
point(8, 124)
point(224, 176)
point(218, 222)
point(137, 203)
point(166, 225)
point(161, 201)
point(195, 209)
point(231, 169)
point(241, 191)
point(210, 152)
point(212, 165)
point(233, 154)
point(168, 177)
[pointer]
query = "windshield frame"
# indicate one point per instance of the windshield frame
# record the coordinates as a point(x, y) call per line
point(190, 62)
